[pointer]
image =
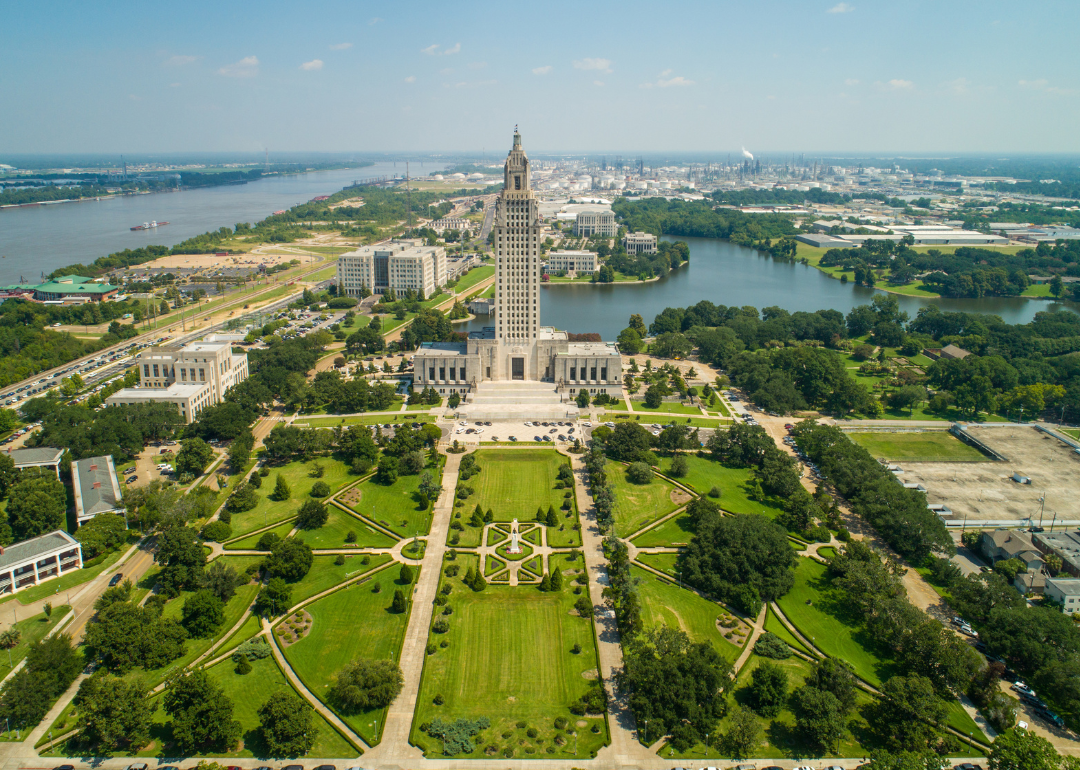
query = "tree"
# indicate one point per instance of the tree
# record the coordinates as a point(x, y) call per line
point(582, 398)
point(282, 491)
point(202, 613)
point(193, 457)
point(819, 717)
point(398, 605)
point(289, 559)
point(1021, 750)
point(313, 514)
point(405, 574)
point(287, 725)
point(768, 689)
point(366, 684)
point(36, 505)
point(221, 579)
point(114, 712)
point(202, 715)
point(274, 598)
point(743, 734)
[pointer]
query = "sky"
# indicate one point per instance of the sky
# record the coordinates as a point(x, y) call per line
point(857, 76)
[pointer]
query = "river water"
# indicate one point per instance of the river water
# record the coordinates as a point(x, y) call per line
point(40, 239)
point(727, 274)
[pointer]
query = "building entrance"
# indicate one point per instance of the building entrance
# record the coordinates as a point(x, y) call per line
point(517, 368)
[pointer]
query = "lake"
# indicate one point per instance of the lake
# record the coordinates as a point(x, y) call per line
point(727, 274)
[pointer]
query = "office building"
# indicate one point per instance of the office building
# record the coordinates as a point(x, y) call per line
point(96, 489)
point(572, 262)
point(192, 377)
point(639, 243)
point(401, 265)
point(38, 559)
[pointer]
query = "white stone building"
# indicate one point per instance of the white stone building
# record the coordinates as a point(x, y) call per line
point(572, 261)
point(533, 359)
point(40, 558)
point(192, 377)
point(639, 243)
point(400, 265)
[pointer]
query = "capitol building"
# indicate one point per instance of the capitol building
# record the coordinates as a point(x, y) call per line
point(518, 367)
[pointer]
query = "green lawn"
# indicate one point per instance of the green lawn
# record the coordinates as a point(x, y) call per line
point(396, 507)
point(637, 505)
point(675, 531)
point(928, 446)
point(664, 603)
point(248, 543)
point(338, 524)
point(325, 574)
point(509, 658)
point(816, 608)
point(669, 407)
point(248, 692)
point(703, 474)
point(43, 591)
point(346, 625)
point(30, 630)
point(297, 474)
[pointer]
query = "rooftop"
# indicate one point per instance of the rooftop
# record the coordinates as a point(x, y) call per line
point(35, 547)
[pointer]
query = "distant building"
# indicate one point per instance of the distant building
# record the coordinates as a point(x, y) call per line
point(96, 489)
point(595, 220)
point(401, 265)
point(639, 243)
point(1064, 591)
point(37, 457)
point(192, 377)
point(40, 558)
point(571, 261)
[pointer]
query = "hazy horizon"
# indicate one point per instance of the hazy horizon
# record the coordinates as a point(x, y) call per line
point(135, 78)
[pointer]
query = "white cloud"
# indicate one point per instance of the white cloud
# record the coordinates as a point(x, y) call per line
point(851, 82)
point(842, 8)
point(542, 70)
point(180, 61)
point(248, 67)
point(900, 85)
point(1044, 85)
point(431, 49)
point(311, 66)
point(410, 79)
point(452, 51)
point(604, 65)
point(340, 46)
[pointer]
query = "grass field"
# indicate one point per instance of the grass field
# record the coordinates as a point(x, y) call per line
point(396, 507)
point(703, 474)
point(513, 483)
point(929, 446)
point(338, 525)
point(297, 474)
point(815, 608)
point(346, 625)
point(248, 543)
point(675, 531)
point(325, 574)
point(30, 630)
point(664, 603)
point(637, 505)
point(509, 658)
point(248, 693)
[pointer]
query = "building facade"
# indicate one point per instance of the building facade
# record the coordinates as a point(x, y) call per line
point(598, 221)
point(639, 243)
point(192, 377)
point(401, 265)
point(571, 261)
point(38, 559)
point(517, 347)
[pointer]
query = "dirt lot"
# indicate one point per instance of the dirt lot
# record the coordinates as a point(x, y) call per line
point(985, 493)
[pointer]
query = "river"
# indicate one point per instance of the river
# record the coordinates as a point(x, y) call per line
point(727, 274)
point(40, 239)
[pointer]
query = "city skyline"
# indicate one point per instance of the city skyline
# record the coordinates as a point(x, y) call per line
point(858, 77)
